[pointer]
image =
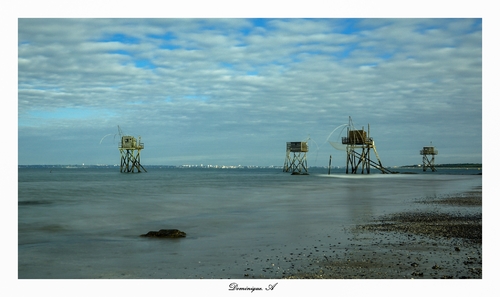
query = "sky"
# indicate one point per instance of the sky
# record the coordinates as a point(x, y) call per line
point(233, 91)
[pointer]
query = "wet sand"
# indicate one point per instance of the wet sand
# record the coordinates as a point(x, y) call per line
point(444, 243)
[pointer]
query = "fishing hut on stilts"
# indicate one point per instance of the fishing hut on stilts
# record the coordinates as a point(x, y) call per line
point(426, 162)
point(296, 158)
point(359, 145)
point(130, 151)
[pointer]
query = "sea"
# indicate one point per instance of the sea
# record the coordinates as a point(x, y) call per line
point(240, 223)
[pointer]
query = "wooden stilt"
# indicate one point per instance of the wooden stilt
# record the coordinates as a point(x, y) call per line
point(296, 158)
point(130, 151)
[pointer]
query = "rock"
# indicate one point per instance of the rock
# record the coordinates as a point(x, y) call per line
point(165, 233)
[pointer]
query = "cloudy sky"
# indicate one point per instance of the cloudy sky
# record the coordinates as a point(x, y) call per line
point(234, 91)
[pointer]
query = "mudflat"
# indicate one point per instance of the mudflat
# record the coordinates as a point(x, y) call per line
point(442, 243)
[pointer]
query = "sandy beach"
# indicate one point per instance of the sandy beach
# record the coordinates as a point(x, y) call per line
point(445, 243)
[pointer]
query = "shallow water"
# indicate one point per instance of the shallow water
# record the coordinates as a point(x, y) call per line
point(87, 222)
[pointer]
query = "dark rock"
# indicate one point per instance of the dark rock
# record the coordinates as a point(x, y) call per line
point(165, 233)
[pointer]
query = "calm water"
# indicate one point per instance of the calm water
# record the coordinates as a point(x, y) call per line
point(85, 223)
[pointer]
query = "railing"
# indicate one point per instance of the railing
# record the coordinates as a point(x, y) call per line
point(356, 140)
point(429, 152)
point(131, 147)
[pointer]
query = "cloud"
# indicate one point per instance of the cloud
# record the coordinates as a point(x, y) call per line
point(222, 90)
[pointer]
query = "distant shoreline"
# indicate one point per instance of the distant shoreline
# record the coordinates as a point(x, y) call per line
point(449, 166)
point(417, 166)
